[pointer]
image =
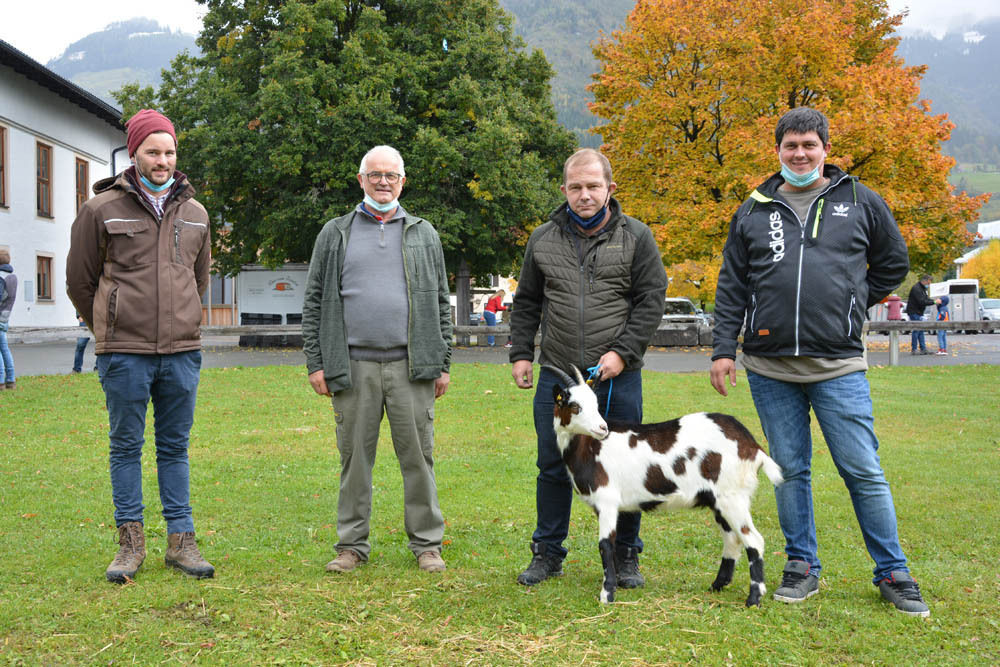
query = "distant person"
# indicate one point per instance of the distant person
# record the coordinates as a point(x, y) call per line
point(8, 295)
point(807, 254)
point(593, 281)
point(376, 331)
point(942, 316)
point(137, 268)
point(916, 304)
point(81, 347)
point(493, 304)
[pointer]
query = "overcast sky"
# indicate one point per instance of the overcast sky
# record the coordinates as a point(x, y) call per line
point(44, 28)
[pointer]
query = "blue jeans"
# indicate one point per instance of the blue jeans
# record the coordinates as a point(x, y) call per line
point(942, 339)
point(6, 361)
point(129, 382)
point(81, 347)
point(553, 488)
point(843, 407)
point(917, 337)
point(491, 321)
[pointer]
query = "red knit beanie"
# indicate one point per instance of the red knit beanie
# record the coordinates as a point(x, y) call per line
point(143, 124)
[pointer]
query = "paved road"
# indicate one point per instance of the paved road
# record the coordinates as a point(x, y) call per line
point(57, 358)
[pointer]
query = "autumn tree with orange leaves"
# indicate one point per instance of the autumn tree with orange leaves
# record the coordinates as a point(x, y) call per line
point(691, 91)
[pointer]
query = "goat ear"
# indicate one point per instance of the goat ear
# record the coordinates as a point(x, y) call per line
point(557, 394)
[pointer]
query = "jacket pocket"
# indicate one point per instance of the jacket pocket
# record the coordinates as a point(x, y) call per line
point(131, 241)
point(188, 240)
point(112, 316)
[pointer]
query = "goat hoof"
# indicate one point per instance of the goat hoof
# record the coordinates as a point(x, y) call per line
point(754, 600)
point(607, 597)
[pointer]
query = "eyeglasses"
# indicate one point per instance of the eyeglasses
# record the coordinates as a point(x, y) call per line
point(375, 176)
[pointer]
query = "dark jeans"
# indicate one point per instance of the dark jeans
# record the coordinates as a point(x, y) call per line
point(81, 347)
point(129, 382)
point(553, 489)
point(917, 337)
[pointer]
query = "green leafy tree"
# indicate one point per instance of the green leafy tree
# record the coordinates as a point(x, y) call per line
point(274, 117)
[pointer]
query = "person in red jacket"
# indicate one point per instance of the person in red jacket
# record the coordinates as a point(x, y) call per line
point(494, 304)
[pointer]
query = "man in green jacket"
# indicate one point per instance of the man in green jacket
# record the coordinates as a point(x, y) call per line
point(593, 280)
point(376, 329)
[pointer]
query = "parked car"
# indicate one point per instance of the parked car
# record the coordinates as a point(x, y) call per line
point(990, 309)
point(681, 309)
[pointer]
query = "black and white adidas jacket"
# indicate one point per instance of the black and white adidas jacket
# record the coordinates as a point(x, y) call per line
point(802, 287)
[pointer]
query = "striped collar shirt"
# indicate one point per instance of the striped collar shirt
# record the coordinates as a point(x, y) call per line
point(156, 202)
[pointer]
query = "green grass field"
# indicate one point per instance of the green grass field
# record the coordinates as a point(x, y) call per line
point(264, 485)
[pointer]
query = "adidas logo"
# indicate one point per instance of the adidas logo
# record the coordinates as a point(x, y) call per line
point(841, 210)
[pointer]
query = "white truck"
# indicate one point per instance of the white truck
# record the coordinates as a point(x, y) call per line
point(963, 300)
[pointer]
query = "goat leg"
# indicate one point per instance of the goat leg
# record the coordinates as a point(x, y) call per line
point(757, 587)
point(607, 549)
point(725, 575)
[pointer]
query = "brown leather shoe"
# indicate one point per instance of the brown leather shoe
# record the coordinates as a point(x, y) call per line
point(131, 553)
point(182, 553)
point(431, 561)
point(346, 560)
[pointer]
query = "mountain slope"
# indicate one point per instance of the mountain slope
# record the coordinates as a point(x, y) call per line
point(124, 52)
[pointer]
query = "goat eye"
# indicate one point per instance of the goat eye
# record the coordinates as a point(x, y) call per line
point(575, 409)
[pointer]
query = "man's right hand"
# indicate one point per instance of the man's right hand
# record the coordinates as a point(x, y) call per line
point(522, 373)
point(318, 382)
point(723, 369)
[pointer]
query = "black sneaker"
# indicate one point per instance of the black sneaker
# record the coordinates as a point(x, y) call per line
point(627, 568)
point(542, 566)
point(796, 583)
point(901, 590)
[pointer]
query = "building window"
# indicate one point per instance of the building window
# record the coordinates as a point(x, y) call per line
point(3, 166)
point(43, 278)
point(82, 182)
point(44, 189)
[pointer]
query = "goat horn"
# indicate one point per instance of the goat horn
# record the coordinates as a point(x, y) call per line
point(579, 375)
point(566, 379)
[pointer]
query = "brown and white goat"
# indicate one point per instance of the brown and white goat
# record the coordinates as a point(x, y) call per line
point(699, 460)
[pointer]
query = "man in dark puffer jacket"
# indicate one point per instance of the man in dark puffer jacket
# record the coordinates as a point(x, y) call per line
point(593, 280)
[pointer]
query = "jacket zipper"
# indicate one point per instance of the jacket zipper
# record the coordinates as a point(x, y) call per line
point(819, 212)
point(850, 312)
point(802, 247)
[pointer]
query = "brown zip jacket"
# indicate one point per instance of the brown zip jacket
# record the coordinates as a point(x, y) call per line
point(138, 281)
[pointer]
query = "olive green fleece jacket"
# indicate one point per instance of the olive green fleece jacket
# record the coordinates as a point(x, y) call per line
point(324, 334)
point(589, 294)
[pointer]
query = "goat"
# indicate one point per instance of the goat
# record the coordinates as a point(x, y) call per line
point(699, 460)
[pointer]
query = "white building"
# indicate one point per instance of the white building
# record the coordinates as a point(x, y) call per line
point(56, 141)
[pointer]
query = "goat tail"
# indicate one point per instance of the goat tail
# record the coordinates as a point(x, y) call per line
point(771, 469)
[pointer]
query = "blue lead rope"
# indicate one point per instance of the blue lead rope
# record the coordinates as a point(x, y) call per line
point(592, 380)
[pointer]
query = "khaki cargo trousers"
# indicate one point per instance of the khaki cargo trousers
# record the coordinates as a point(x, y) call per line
point(385, 388)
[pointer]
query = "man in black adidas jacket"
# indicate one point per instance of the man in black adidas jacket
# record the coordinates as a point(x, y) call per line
point(807, 254)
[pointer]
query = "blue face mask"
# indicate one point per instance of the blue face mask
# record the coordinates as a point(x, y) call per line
point(153, 187)
point(799, 180)
point(592, 221)
point(381, 208)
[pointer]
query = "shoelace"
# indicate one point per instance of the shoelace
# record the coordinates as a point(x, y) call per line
point(908, 590)
point(790, 579)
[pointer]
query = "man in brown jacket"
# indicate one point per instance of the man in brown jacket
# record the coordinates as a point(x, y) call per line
point(138, 265)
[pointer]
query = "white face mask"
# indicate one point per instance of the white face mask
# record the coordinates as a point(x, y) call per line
point(381, 208)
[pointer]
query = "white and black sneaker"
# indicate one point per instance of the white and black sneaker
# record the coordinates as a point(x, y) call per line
point(796, 583)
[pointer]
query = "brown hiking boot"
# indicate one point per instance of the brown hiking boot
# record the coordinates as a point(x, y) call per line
point(182, 553)
point(131, 553)
point(431, 561)
point(346, 560)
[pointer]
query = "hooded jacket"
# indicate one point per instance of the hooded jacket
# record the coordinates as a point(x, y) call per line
point(802, 286)
point(589, 294)
point(138, 281)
